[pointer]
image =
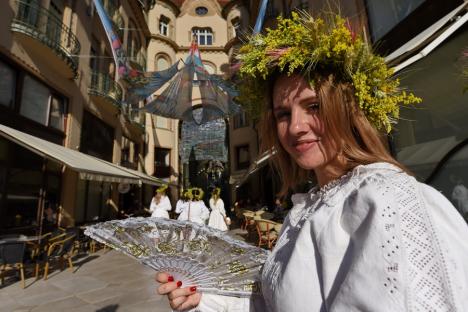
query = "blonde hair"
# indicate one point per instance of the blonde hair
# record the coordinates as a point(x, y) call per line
point(345, 125)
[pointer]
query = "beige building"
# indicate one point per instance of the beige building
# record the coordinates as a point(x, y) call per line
point(216, 24)
point(58, 84)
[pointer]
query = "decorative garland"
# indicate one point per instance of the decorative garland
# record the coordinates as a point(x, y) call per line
point(318, 49)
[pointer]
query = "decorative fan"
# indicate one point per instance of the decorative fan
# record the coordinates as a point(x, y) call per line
point(192, 253)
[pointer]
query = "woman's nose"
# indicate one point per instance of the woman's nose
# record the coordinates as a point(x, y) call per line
point(298, 123)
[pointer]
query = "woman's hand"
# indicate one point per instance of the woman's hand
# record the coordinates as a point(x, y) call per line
point(180, 299)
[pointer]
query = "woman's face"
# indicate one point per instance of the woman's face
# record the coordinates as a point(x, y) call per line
point(300, 130)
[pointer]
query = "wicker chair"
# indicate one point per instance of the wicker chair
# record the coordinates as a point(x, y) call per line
point(12, 256)
point(248, 219)
point(60, 249)
point(266, 233)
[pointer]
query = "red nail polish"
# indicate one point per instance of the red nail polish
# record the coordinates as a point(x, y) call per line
point(179, 283)
point(193, 288)
point(170, 278)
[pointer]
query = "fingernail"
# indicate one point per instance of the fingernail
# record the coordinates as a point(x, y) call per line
point(179, 283)
point(170, 278)
point(193, 288)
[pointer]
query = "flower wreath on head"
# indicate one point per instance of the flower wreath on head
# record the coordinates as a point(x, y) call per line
point(216, 191)
point(162, 189)
point(319, 48)
point(197, 193)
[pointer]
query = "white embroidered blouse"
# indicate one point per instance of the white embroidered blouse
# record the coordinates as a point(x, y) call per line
point(374, 240)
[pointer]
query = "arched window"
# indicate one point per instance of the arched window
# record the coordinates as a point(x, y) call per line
point(162, 62)
point(164, 25)
point(204, 35)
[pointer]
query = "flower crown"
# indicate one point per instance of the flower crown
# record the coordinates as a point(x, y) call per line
point(320, 48)
point(197, 193)
point(162, 188)
point(216, 191)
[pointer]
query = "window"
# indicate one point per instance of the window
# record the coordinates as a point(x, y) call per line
point(35, 100)
point(201, 11)
point(97, 138)
point(7, 85)
point(162, 62)
point(384, 15)
point(164, 26)
point(162, 122)
point(240, 120)
point(129, 154)
point(243, 157)
point(57, 111)
point(427, 134)
point(204, 36)
point(41, 105)
point(162, 162)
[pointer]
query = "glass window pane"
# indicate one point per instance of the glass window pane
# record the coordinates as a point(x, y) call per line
point(209, 40)
point(7, 85)
point(35, 101)
point(161, 122)
point(384, 15)
point(162, 64)
point(201, 40)
point(426, 132)
point(57, 113)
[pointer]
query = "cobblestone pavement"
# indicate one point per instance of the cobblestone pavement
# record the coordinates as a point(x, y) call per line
point(105, 281)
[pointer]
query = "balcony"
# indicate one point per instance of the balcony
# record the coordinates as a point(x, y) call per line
point(104, 90)
point(44, 33)
point(135, 119)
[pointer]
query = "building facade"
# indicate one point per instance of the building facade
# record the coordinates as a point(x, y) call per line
point(216, 26)
point(59, 85)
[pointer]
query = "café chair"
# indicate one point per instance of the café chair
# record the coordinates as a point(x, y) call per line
point(266, 233)
point(60, 249)
point(12, 256)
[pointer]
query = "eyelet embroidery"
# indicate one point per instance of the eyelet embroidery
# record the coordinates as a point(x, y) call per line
point(429, 287)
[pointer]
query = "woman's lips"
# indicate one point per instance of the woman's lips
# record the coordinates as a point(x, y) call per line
point(304, 146)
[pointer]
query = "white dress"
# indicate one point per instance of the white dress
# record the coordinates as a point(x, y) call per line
point(217, 215)
point(160, 210)
point(375, 240)
point(195, 211)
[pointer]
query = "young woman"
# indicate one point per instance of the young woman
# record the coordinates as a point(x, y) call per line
point(218, 213)
point(183, 204)
point(160, 204)
point(195, 210)
point(368, 237)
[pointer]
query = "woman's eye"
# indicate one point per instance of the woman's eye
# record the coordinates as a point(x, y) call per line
point(313, 107)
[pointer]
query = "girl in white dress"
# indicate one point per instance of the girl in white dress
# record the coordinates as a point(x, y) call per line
point(183, 205)
point(368, 237)
point(196, 210)
point(160, 204)
point(218, 213)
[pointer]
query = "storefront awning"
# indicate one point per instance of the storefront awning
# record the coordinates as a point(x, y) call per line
point(261, 161)
point(89, 167)
point(425, 42)
point(145, 178)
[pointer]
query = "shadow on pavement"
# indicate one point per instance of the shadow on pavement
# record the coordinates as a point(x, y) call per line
point(109, 308)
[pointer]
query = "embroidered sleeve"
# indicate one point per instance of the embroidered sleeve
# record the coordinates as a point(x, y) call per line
point(394, 262)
